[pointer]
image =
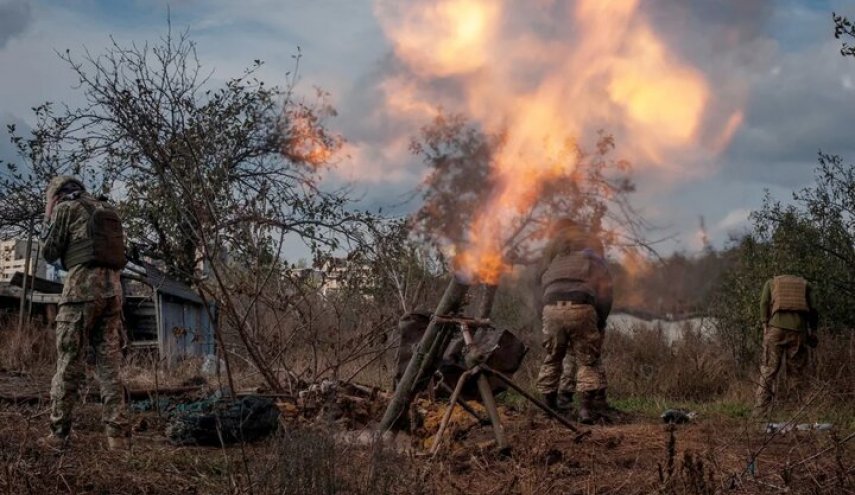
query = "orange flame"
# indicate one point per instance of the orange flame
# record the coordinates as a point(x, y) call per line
point(604, 67)
point(305, 139)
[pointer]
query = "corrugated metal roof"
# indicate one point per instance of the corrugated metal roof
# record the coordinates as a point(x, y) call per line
point(165, 285)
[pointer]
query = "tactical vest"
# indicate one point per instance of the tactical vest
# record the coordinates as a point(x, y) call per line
point(104, 244)
point(573, 268)
point(789, 293)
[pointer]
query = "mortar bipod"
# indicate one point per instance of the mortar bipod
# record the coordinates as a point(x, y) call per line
point(478, 369)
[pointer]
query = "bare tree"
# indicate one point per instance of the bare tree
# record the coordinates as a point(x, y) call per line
point(844, 28)
point(204, 172)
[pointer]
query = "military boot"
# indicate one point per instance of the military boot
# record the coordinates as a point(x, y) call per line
point(565, 401)
point(588, 413)
point(601, 405)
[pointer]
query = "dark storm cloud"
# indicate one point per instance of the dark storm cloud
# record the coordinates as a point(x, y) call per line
point(15, 15)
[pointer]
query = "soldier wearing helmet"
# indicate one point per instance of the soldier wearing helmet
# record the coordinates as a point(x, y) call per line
point(85, 236)
point(577, 299)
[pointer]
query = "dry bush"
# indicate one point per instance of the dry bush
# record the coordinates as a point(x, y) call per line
point(643, 363)
point(146, 371)
point(28, 349)
point(833, 362)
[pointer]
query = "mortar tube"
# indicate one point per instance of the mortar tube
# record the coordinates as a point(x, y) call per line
point(488, 297)
point(452, 300)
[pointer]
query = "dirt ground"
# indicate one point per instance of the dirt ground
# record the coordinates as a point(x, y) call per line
point(638, 456)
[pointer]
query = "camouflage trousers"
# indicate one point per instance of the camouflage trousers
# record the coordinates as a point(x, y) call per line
point(82, 328)
point(573, 328)
point(782, 348)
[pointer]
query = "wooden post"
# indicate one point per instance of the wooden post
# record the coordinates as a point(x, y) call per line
point(35, 264)
point(451, 302)
point(24, 284)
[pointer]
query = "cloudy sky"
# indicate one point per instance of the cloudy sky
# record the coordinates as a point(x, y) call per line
point(776, 60)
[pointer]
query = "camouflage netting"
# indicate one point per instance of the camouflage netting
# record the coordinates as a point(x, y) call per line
point(223, 421)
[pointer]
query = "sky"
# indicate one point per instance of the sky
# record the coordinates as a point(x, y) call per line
point(776, 61)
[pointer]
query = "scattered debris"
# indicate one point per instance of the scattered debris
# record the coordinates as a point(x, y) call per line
point(350, 405)
point(678, 416)
point(212, 365)
point(788, 427)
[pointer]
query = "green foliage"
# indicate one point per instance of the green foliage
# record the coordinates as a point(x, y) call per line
point(843, 27)
point(813, 237)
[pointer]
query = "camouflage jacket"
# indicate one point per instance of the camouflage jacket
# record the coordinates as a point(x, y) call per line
point(83, 283)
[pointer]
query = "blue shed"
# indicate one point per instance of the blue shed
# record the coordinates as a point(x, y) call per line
point(172, 318)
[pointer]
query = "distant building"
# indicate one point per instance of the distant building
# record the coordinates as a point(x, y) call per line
point(335, 275)
point(338, 273)
point(13, 256)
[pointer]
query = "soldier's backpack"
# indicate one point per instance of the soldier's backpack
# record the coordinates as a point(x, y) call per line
point(104, 245)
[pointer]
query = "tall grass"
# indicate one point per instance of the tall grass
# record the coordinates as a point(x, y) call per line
point(31, 348)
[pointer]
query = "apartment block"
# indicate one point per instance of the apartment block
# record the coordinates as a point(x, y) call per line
point(13, 256)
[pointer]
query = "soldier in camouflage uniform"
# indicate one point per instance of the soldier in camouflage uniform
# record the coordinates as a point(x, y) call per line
point(789, 323)
point(89, 319)
point(577, 298)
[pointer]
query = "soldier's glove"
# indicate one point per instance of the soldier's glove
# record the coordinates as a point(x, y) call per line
point(812, 340)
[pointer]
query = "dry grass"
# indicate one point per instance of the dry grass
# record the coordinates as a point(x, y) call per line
point(639, 456)
point(31, 348)
point(644, 363)
point(643, 457)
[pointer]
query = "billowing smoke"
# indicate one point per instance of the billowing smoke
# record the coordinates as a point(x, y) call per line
point(542, 72)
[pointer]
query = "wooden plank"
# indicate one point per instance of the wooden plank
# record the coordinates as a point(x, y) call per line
point(39, 284)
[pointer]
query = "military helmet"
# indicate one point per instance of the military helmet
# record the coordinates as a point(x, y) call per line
point(60, 181)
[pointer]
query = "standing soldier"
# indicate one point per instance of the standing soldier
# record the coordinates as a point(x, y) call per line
point(789, 323)
point(577, 299)
point(86, 236)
